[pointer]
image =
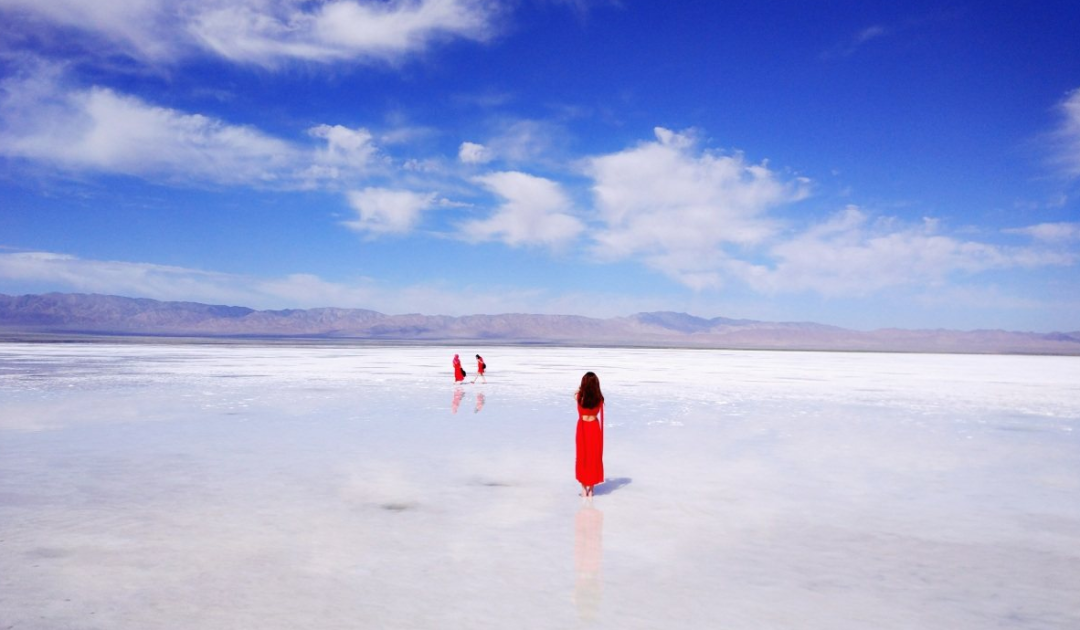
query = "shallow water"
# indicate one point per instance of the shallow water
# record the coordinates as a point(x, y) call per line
point(276, 486)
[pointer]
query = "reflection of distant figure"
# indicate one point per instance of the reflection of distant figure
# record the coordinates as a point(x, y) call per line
point(588, 552)
point(459, 372)
point(456, 402)
point(479, 402)
point(589, 465)
point(480, 367)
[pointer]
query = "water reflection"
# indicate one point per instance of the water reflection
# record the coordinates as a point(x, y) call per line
point(588, 553)
point(459, 396)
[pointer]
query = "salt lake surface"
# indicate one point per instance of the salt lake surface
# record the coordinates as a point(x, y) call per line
point(227, 486)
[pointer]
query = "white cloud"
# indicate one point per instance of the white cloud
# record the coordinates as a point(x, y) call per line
point(677, 208)
point(384, 211)
point(850, 255)
point(472, 153)
point(354, 148)
point(535, 211)
point(348, 154)
point(386, 29)
point(1050, 232)
point(267, 32)
point(98, 129)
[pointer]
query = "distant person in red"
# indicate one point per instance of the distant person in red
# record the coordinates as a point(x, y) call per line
point(589, 465)
point(459, 372)
point(480, 367)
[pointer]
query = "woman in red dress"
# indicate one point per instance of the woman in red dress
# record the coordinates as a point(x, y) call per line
point(480, 367)
point(589, 465)
point(459, 373)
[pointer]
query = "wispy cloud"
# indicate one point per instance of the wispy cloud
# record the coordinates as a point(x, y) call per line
point(254, 32)
point(299, 290)
point(1066, 139)
point(849, 254)
point(124, 278)
point(98, 129)
point(263, 32)
point(583, 7)
point(1061, 232)
point(150, 30)
point(869, 33)
point(856, 42)
point(524, 142)
point(46, 119)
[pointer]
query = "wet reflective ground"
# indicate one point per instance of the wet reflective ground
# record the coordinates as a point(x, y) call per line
point(245, 485)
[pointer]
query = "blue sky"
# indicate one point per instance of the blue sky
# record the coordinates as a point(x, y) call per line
point(900, 164)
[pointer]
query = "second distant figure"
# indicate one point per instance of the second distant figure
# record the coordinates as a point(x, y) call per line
point(589, 464)
point(480, 367)
point(459, 372)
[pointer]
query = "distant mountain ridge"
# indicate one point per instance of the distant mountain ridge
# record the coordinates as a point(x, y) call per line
point(83, 314)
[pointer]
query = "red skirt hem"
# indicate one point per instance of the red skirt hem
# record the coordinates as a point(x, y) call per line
point(589, 463)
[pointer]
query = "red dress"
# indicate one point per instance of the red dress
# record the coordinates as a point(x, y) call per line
point(480, 365)
point(459, 374)
point(589, 465)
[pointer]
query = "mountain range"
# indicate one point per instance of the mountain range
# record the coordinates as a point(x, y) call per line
point(71, 314)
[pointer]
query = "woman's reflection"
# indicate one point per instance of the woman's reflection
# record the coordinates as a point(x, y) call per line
point(456, 402)
point(588, 551)
point(479, 402)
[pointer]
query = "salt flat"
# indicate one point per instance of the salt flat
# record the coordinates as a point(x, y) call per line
point(331, 486)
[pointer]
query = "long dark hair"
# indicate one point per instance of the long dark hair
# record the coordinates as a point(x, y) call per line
point(589, 395)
